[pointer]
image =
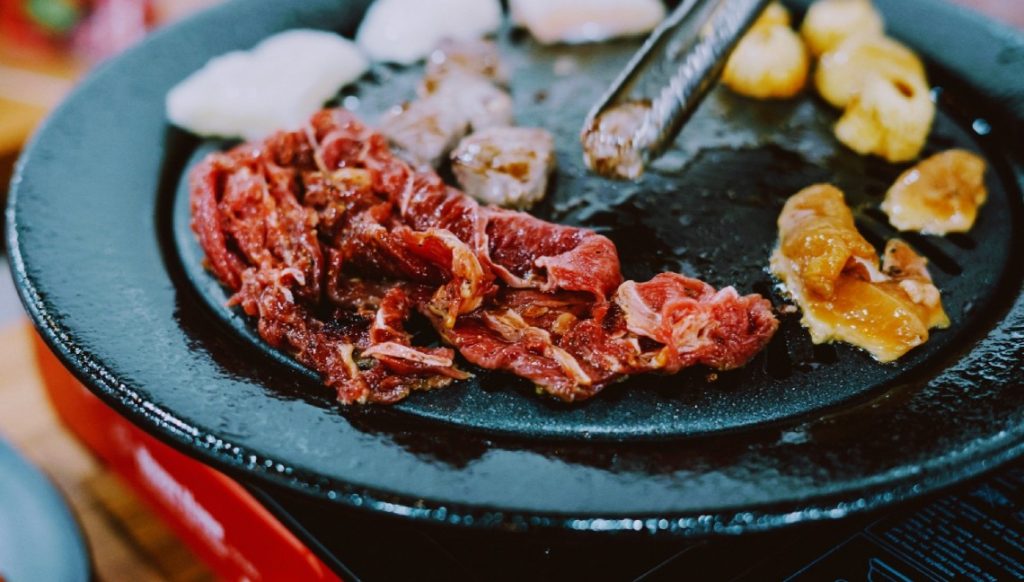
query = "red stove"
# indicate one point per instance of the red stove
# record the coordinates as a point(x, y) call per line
point(214, 515)
point(247, 532)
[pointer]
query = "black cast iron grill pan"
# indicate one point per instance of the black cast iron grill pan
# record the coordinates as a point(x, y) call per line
point(804, 432)
point(708, 209)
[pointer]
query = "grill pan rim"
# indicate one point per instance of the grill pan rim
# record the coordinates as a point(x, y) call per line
point(76, 354)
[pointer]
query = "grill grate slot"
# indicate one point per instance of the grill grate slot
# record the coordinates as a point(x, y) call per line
point(826, 354)
point(962, 240)
point(870, 230)
point(877, 214)
point(937, 256)
point(874, 225)
point(777, 362)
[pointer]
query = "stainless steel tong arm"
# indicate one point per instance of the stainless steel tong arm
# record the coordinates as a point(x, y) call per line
point(647, 105)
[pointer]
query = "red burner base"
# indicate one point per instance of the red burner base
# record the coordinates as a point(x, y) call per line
point(215, 516)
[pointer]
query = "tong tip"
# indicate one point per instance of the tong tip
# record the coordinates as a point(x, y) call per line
point(611, 141)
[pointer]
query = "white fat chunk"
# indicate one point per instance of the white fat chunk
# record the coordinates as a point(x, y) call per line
point(278, 84)
point(406, 31)
point(578, 21)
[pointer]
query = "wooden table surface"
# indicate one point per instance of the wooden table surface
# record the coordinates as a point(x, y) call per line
point(128, 542)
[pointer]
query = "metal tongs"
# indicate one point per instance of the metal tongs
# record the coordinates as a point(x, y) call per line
point(645, 109)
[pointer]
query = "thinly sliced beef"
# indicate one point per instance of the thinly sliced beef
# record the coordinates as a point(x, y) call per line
point(695, 324)
point(334, 244)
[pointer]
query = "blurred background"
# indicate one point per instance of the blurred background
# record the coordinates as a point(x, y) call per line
point(45, 47)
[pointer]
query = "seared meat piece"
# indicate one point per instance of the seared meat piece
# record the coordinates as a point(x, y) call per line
point(883, 87)
point(425, 130)
point(609, 143)
point(457, 96)
point(483, 103)
point(829, 22)
point(770, 61)
point(505, 166)
point(473, 57)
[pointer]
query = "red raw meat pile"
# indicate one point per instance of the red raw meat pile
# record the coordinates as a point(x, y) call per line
point(333, 243)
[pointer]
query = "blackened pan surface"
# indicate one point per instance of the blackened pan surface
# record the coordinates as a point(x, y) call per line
point(112, 276)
